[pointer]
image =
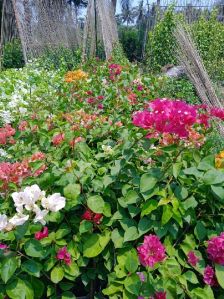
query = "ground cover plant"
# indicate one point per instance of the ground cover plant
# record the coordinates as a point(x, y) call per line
point(107, 188)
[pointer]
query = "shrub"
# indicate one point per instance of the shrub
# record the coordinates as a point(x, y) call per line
point(209, 37)
point(12, 55)
point(129, 39)
point(161, 43)
point(60, 58)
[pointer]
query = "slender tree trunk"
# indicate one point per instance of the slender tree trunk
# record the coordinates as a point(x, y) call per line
point(20, 31)
point(1, 42)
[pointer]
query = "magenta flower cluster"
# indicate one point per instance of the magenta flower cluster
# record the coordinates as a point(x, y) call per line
point(215, 249)
point(169, 116)
point(209, 276)
point(192, 258)
point(151, 251)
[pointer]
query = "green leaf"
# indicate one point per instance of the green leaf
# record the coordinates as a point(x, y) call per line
point(193, 171)
point(132, 261)
point(21, 230)
point(8, 268)
point(57, 274)
point(200, 231)
point(19, 289)
point(190, 203)
point(200, 293)
point(213, 177)
point(38, 287)
point(132, 284)
point(72, 269)
point(148, 207)
point(34, 248)
point(96, 203)
point(62, 232)
point(85, 226)
point(219, 271)
point(167, 214)
point(72, 192)
point(191, 277)
point(117, 238)
point(206, 163)
point(131, 197)
point(173, 267)
point(147, 182)
point(32, 267)
point(219, 192)
point(112, 289)
point(95, 244)
point(176, 169)
point(68, 295)
point(131, 234)
point(144, 225)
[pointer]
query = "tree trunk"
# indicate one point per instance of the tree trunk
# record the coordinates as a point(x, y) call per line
point(114, 3)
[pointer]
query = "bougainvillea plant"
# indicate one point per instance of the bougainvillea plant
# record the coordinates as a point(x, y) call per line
point(106, 189)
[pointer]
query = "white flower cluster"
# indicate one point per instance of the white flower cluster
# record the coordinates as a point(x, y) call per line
point(107, 149)
point(32, 199)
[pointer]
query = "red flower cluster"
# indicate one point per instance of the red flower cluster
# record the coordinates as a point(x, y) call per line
point(37, 157)
point(151, 251)
point(115, 70)
point(132, 98)
point(95, 101)
point(215, 249)
point(23, 125)
point(168, 116)
point(64, 255)
point(73, 142)
point(6, 134)
point(16, 172)
point(13, 172)
point(93, 217)
point(42, 234)
point(58, 139)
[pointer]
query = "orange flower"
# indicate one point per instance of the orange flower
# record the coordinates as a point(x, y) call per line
point(73, 76)
point(219, 160)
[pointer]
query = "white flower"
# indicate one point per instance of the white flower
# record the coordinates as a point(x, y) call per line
point(53, 202)
point(22, 110)
point(27, 198)
point(3, 222)
point(18, 198)
point(40, 215)
point(18, 219)
point(3, 153)
point(107, 149)
point(31, 195)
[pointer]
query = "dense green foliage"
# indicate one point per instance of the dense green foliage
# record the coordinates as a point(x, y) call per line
point(12, 55)
point(208, 34)
point(61, 58)
point(161, 43)
point(131, 42)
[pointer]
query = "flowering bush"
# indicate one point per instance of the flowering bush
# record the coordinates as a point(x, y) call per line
point(124, 200)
